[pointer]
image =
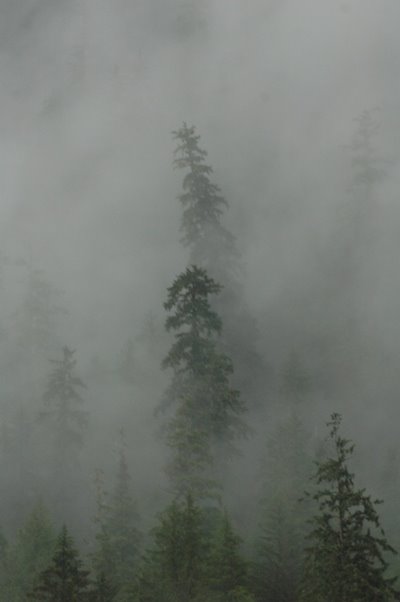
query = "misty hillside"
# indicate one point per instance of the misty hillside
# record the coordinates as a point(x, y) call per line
point(199, 333)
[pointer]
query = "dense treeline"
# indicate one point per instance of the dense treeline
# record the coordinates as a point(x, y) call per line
point(313, 535)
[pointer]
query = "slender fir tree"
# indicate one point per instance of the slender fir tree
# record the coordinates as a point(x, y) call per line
point(213, 247)
point(348, 549)
point(209, 412)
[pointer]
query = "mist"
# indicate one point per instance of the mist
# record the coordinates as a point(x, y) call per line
point(281, 94)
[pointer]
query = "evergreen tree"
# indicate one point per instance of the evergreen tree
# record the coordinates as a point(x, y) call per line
point(30, 555)
point(227, 573)
point(62, 400)
point(209, 414)
point(189, 466)
point(174, 569)
point(118, 538)
point(66, 421)
point(35, 319)
point(347, 555)
point(368, 167)
point(203, 206)
point(64, 580)
point(281, 540)
point(103, 590)
point(213, 248)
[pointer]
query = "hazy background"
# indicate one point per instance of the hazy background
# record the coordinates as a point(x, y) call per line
point(91, 91)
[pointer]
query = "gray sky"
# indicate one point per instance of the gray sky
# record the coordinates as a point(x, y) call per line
point(92, 89)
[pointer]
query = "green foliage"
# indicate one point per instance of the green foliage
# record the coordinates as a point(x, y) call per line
point(103, 590)
point(189, 466)
point(202, 202)
point(346, 558)
point(209, 409)
point(213, 248)
point(281, 541)
point(174, 569)
point(227, 571)
point(195, 558)
point(64, 580)
point(118, 538)
point(30, 555)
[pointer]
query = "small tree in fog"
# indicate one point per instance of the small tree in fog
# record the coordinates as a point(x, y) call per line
point(209, 411)
point(227, 570)
point(66, 422)
point(347, 555)
point(174, 569)
point(64, 580)
point(30, 555)
point(118, 538)
point(36, 318)
point(63, 403)
point(282, 526)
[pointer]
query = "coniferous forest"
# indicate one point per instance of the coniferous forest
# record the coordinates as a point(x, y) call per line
point(199, 327)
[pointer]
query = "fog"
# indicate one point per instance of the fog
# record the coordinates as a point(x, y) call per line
point(91, 93)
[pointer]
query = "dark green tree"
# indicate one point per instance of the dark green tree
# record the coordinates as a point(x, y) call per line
point(64, 580)
point(209, 416)
point(203, 205)
point(213, 247)
point(346, 560)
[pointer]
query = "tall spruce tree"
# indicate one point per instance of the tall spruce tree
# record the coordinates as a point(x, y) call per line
point(212, 247)
point(209, 412)
point(64, 580)
point(346, 559)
